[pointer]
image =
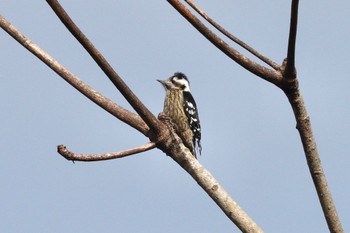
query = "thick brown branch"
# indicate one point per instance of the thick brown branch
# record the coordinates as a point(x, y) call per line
point(204, 178)
point(232, 37)
point(290, 71)
point(139, 107)
point(313, 160)
point(124, 115)
point(261, 71)
point(62, 150)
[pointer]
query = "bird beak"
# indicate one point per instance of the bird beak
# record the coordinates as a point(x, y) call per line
point(164, 83)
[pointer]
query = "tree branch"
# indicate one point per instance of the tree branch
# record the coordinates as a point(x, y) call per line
point(232, 37)
point(313, 160)
point(122, 114)
point(290, 71)
point(305, 130)
point(180, 154)
point(272, 76)
point(139, 107)
point(62, 150)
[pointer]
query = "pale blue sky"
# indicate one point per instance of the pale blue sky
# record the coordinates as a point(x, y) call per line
point(249, 140)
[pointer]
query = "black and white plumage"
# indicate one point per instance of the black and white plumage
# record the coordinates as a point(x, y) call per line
point(181, 107)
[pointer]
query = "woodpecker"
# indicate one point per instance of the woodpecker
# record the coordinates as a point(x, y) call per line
point(181, 108)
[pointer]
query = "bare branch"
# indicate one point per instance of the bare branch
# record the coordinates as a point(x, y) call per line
point(62, 150)
point(304, 127)
point(290, 71)
point(313, 160)
point(204, 178)
point(133, 100)
point(122, 114)
point(232, 37)
point(272, 76)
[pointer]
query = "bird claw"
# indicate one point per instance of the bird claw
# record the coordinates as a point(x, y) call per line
point(166, 119)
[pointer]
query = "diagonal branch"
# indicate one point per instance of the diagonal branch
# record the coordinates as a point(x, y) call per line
point(122, 114)
point(269, 75)
point(62, 150)
point(181, 155)
point(290, 71)
point(139, 107)
point(232, 37)
point(313, 160)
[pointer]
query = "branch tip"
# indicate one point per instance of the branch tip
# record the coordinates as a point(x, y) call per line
point(290, 70)
point(67, 154)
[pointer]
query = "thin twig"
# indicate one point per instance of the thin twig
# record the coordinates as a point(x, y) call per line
point(62, 150)
point(121, 113)
point(232, 37)
point(290, 71)
point(267, 74)
point(133, 100)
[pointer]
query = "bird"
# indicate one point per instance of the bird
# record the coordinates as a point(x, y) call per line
point(181, 108)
